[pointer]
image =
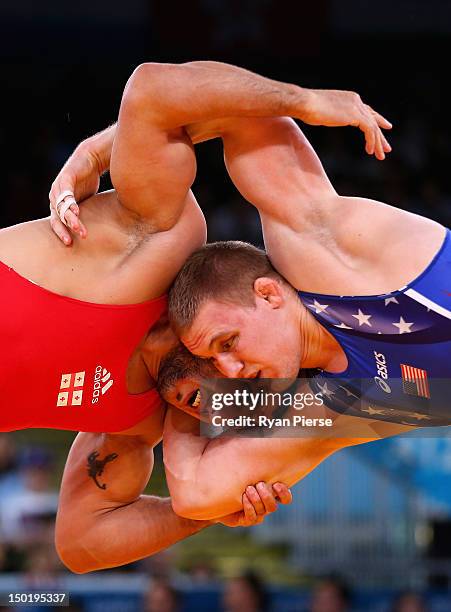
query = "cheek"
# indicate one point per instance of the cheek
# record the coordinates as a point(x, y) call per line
point(255, 343)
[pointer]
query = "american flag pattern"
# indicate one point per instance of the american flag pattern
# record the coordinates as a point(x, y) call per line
point(415, 381)
point(411, 328)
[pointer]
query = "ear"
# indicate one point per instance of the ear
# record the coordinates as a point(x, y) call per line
point(270, 290)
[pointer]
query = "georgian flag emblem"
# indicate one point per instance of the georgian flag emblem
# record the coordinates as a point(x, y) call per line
point(71, 389)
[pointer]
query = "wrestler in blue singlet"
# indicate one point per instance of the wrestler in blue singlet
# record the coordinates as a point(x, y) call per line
point(398, 347)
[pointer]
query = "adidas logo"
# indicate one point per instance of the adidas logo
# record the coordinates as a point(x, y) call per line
point(102, 382)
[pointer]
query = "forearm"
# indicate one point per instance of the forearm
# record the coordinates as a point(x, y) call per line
point(206, 478)
point(80, 176)
point(102, 510)
point(179, 95)
point(124, 534)
point(99, 147)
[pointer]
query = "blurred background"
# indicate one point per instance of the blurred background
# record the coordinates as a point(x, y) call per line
point(370, 529)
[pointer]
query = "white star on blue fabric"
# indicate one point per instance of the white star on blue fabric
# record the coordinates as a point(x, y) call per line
point(372, 411)
point(325, 390)
point(319, 308)
point(403, 326)
point(389, 300)
point(342, 326)
point(362, 318)
point(349, 393)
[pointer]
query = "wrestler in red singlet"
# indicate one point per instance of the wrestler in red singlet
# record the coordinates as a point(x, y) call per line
point(51, 377)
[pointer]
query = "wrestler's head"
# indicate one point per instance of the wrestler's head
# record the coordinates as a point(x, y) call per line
point(229, 304)
point(189, 383)
point(181, 377)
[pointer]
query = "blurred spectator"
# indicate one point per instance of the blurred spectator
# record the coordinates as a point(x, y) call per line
point(162, 597)
point(331, 594)
point(42, 567)
point(9, 476)
point(202, 571)
point(11, 560)
point(160, 566)
point(409, 602)
point(27, 516)
point(245, 593)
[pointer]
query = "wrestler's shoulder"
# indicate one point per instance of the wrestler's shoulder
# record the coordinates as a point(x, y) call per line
point(127, 230)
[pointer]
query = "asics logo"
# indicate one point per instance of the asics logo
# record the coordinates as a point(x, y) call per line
point(382, 372)
point(102, 382)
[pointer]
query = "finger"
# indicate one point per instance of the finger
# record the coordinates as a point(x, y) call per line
point(249, 512)
point(75, 209)
point(283, 493)
point(370, 139)
point(381, 121)
point(72, 220)
point(386, 144)
point(378, 148)
point(267, 496)
point(63, 201)
point(83, 232)
point(255, 500)
point(382, 143)
point(60, 229)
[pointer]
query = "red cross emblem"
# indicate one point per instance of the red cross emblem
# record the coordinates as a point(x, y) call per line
point(71, 389)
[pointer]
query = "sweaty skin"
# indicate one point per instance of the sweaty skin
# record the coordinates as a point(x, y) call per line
point(193, 462)
point(109, 523)
point(318, 240)
point(308, 228)
point(153, 224)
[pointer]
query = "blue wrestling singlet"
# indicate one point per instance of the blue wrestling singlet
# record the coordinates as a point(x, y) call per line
point(398, 347)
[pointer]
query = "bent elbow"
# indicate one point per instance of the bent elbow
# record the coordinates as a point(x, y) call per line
point(72, 555)
point(181, 504)
point(145, 81)
point(195, 507)
point(71, 559)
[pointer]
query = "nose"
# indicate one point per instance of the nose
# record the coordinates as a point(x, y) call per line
point(229, 365)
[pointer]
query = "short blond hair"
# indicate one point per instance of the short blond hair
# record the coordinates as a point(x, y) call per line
point(223, 271)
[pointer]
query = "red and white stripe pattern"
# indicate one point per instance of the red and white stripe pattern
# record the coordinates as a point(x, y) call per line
point(415, 381)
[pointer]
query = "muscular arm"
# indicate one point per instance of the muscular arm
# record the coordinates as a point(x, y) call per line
point(197, 464)
point(103, 519)
point(80, 177)
point(166, 108)
point(218, 469)
point(319, 229)
point(153, 163)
